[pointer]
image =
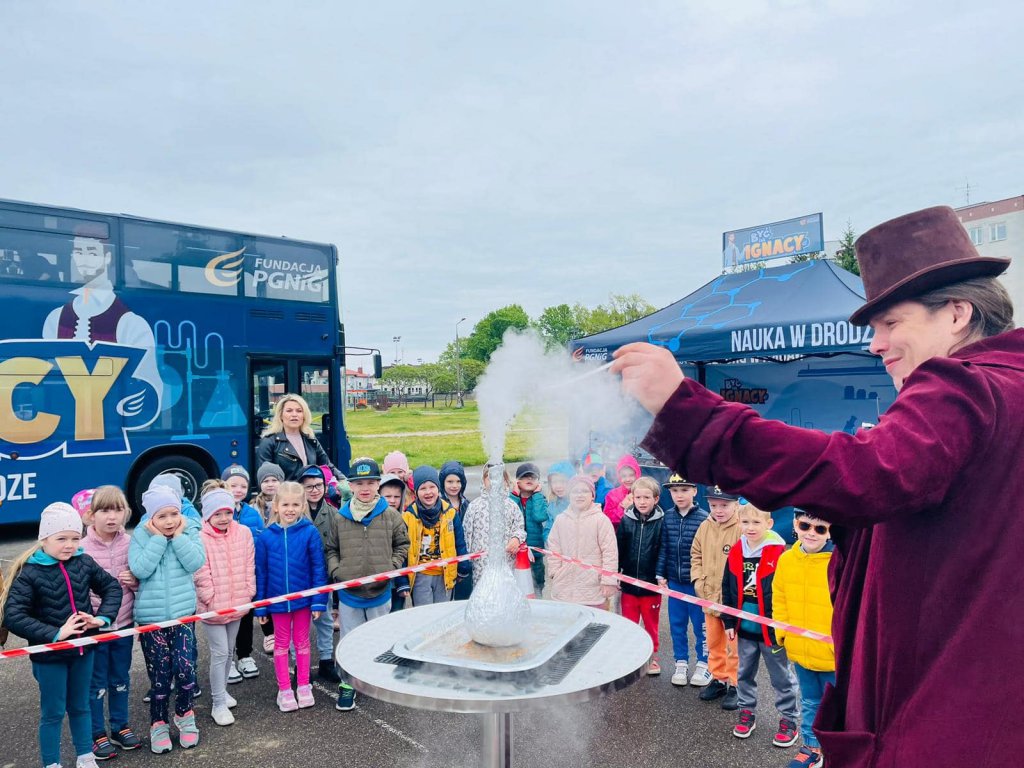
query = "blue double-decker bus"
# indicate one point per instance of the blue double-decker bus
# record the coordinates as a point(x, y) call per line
point(131, 347)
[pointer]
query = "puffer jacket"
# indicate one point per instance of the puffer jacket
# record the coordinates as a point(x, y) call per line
point(164, 568)
point(46, 592)
point(228, 577)
point(112, 557)
point(587, 536)
point(736, 577)
point(535, 516)
point(711, 546)
point(677, 542)
point(639, 541)
point(613, 506)
point(290, 559)
point(250, 517)
point(377, 543)
point(801, 597)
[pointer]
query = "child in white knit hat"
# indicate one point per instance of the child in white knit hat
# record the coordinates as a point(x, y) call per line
point(47, 600)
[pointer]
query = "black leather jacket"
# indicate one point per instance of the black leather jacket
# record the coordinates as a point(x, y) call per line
point(277, 449)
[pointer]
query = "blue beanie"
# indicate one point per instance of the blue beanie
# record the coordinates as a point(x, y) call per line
point(561, 468)
point(425, 474)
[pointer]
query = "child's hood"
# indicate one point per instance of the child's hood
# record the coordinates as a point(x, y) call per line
point(627, 461)
point(656, 514)
point(769, 538)
point(825, 551)
point(41, 558)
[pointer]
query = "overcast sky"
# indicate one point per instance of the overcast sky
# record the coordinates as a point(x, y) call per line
point(465, 155)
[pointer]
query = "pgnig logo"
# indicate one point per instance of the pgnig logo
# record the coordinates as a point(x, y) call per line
point(225, 270)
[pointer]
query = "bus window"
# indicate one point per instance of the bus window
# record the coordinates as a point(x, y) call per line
point(282, 270)
point(35, 256)
point(162, 256)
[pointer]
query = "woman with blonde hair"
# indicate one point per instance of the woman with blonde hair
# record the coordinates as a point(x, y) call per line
point(289, 441)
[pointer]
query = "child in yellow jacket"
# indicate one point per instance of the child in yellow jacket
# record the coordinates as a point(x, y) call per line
point(801, 597)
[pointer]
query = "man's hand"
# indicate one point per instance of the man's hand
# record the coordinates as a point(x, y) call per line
point(649, 373)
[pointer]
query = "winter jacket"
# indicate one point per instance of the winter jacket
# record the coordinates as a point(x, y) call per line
point(165, 568)
point(323, 519)
point(277, 449)
point(613, 501)
point(112, 557)
point(455, 468)
point(711, 546)
point(249, 517)
point(290, 559)
point(46, 592)
point(737, 578)
point(535, 516)
point(639, 541)
point(453, 543)
point(477, 525)
point(677, 541)
point(3, 629)
point(587, 536)
point(377, 543)
point(228, 577)
point(801, 597)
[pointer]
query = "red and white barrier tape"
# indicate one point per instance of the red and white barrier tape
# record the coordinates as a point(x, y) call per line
point(789, 629)
point(104, 637)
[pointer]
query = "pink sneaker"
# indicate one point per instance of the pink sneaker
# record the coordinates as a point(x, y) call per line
point(305, 696)
point(188, 733)
point(286, 701)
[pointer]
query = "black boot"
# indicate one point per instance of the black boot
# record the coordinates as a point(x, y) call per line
point(716, 689)
point(730, 701)
point(328, 672)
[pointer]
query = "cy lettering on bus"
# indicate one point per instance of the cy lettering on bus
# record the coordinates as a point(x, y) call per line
point(67, 395)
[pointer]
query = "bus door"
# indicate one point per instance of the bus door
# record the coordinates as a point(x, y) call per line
point(312, 378)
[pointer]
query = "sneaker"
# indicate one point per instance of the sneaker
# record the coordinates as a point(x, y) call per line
point(328, 671)
point(148, 697)
point(229, 700)
point(304, 694)
point(701, 676)
point(102, 749)
point(268, 644)
point(714, 690)
point(654, 668)
point(188, 733)
point(807, 757)
point(125, 738)
point(731, 700)
point(234, 676)
point(346, 697)
point(222, 716)
point(87, 761)
point(247, 667)
point(159, 738)
point(286, 701)
point(197, 692)
point(786, 735)
point(682, 674)
point(746, 725)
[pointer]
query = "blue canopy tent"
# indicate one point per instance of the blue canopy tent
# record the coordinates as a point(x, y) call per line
point(777, 339)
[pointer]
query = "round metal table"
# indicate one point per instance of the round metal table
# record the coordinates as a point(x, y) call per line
point(618, 659)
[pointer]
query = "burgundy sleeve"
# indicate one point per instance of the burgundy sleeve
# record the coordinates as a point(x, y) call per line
point(946, 410)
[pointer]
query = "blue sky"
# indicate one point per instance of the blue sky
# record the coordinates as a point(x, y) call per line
point(464, 155)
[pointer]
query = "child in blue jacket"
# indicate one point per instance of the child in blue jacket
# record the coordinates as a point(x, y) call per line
point(290, 558)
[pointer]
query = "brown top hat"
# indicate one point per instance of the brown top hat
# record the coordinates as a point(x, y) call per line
point(916, 253)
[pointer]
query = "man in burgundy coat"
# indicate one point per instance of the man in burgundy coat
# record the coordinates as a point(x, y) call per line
point(927, 507)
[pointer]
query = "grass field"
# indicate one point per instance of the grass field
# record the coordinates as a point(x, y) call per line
point(374, 434)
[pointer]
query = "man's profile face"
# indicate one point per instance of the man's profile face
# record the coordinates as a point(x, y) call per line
point(90, 258)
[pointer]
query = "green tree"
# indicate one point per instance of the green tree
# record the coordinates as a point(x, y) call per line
point(619, 310)
point(401, 378)
point(471, 369)
point(846, 256)
point(559, 325)
point(807, 257)
point(487, 334)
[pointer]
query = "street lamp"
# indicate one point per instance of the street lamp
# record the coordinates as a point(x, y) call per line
point(396, 339)
point(458, 366)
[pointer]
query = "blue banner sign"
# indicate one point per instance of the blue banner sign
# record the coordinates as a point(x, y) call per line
point(783, 239)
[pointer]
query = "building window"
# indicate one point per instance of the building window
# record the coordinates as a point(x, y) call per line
point(997, 231)
point(976, 236)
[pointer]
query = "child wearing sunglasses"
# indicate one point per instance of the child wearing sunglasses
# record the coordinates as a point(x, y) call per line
point(802, 598)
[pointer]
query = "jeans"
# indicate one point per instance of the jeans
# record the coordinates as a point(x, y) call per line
point(111, 666)
point(812, 687)
point(170, 655)
point(64, 688)
point(221, 639)
point(325, 635)
point(681, 614)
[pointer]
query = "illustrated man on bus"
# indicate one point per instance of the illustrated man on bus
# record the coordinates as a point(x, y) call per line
point(97, 314)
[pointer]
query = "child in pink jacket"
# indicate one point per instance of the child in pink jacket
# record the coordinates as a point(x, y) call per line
point(582, 531)
point(104, 512)
point(620, 498)
point(226, 579)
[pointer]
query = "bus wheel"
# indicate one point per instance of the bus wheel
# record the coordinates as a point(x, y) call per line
point(189, 471)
